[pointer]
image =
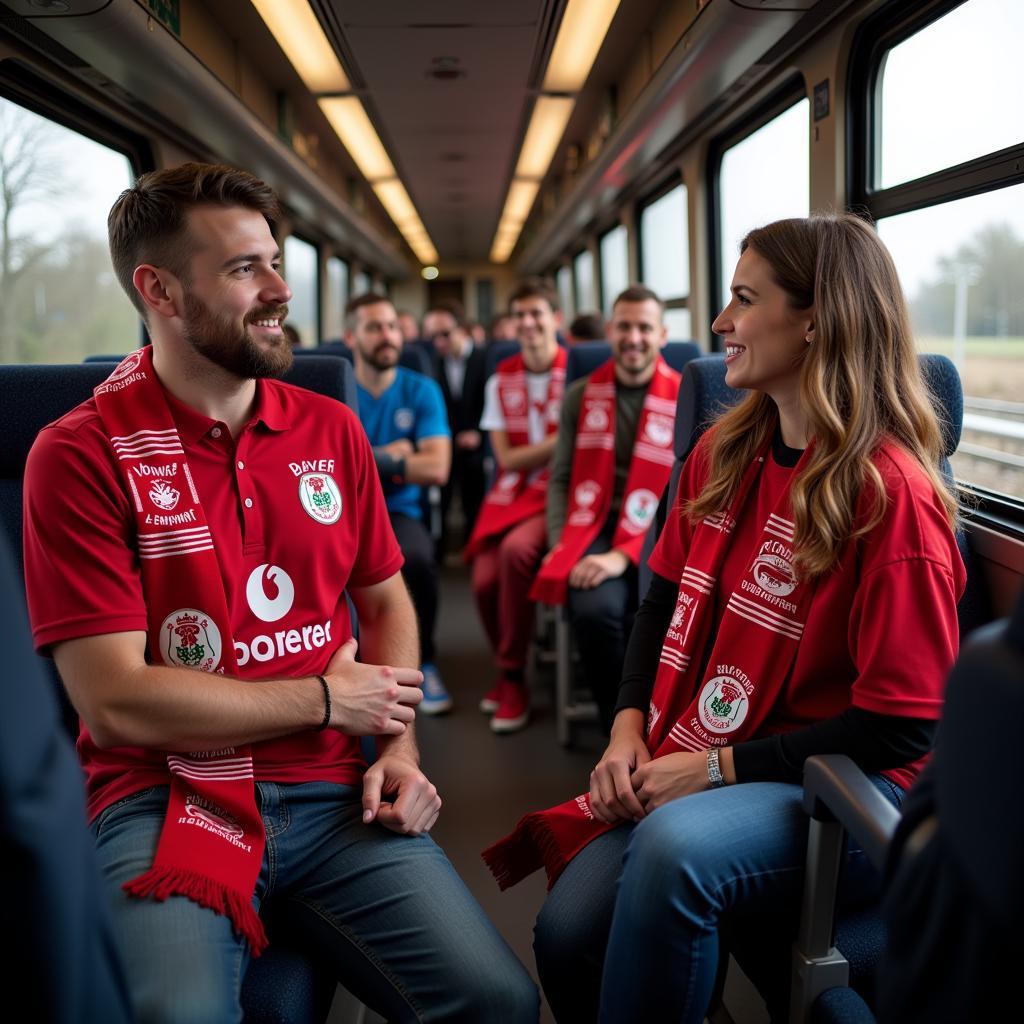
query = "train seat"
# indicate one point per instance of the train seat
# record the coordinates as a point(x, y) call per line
point(282, 985)
point(953, 899)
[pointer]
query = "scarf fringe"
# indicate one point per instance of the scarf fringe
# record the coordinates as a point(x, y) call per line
point(159, 883)
point(530, 845)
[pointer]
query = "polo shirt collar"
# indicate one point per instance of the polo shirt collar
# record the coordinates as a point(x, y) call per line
point(193, 425)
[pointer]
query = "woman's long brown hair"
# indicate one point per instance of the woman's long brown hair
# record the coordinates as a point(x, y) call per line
point(860, 384)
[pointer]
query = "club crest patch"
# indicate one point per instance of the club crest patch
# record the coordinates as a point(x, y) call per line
point(596, 417)
point(163, 495)
point(641, 505)
point(774, 573)
point(126, 372)
point(723, 704)
point(586, 493)
point(404, 419)
point(320, 497)
point(213, 815)
point(513, 399)
point(659, 429)
point(189, 638)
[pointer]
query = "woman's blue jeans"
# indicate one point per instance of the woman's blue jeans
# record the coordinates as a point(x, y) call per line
point(388, 910)
point(629, 932)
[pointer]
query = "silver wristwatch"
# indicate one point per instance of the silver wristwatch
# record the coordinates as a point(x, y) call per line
point(715, 779)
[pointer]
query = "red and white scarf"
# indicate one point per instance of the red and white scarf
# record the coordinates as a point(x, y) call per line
point(517, 496)
point(751, 659)
point(211, 846)
point(593, 475)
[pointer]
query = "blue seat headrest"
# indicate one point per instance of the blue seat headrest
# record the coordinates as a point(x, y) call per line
point(947, 394)
point(497, 351)
point(326, 375)
point(35, 396)
point(585, 358)
point(703, 396)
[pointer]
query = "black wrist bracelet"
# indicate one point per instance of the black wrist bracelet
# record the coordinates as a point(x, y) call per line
point(327, 705)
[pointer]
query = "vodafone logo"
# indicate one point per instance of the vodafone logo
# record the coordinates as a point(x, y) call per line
point(270, 592)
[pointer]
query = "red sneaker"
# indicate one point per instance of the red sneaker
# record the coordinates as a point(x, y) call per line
point(491, 699)
point(513, 708)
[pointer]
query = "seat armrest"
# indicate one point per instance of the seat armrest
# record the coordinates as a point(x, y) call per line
point(835, 789)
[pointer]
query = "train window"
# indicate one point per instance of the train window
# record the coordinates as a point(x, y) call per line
point(921, 98)
point(59, 297)
point(664, 242)
point(335, 299)
point(962, 267)
point(361, 283)
point(586, 286)
point(950, 206)
point(762, 178)
point(301, 270)
point(563, 281)
point(614, 266)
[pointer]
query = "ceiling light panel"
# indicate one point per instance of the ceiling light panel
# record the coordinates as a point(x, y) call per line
point(357, 134)
point(396, 201)
point(547, 125)
point(298, 33)
point(519, 202)
point(584, 26)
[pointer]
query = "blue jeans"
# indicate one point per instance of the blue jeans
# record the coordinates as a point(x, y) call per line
point(629, 931)
point(388, 911)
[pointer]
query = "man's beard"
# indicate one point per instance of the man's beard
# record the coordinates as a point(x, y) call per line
point(219, 340)
point(374, 357)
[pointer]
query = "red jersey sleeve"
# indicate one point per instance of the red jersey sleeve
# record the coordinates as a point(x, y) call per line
point(379, 557)
point(903, 631)
point(81, 569)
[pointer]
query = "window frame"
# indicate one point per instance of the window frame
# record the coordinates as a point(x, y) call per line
point(319, 270)
point(23, 87)
point(785, 95)
point(343, 298)
point(665, 185)
point(602, 299)
point(990, 172)
point(594, 273)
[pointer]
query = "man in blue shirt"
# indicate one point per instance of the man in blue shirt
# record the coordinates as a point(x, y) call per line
point(404, 417)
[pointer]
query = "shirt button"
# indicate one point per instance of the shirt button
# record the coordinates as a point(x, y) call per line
point(215, 432)
point(248, 502)
point(241, 464)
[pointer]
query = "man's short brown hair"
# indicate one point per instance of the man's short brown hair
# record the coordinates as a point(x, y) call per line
point(147, 223)
point(535, 288)
point(366, 299)
point(638, 293)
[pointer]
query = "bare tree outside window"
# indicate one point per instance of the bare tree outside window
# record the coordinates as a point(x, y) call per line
point(59, 298)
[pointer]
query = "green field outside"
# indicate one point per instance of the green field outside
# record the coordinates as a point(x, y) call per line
point(985, 347)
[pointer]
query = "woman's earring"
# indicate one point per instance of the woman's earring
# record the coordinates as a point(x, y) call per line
point(808, 339)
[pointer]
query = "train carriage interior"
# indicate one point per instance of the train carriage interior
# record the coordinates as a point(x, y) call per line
point(438, 154)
